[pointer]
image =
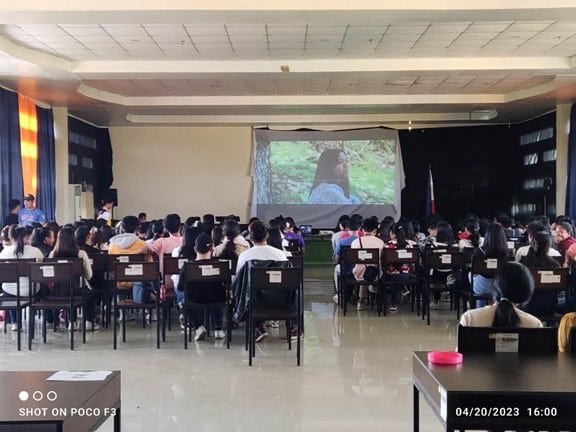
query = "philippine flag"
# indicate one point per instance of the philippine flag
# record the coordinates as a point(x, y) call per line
point(430, 204)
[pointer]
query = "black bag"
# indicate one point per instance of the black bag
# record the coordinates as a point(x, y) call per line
point(371, 273)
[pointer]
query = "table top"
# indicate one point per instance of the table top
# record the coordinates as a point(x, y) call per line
point(503, 372)
point(68, 395)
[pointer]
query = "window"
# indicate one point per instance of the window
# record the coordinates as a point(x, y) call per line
point(530, 159)
point(87, 163)
point(72, 160)
point(537, 136)
point(528, 208)
point(533, 183)
point(549, 155)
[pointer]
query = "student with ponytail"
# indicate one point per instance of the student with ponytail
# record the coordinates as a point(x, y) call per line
point(18, 249)
point(233, 244)
point(514, 286)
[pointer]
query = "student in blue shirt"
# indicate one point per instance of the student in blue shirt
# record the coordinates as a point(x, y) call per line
point(29, 214)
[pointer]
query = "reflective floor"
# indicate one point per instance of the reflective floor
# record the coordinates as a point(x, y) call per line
point(356, 373)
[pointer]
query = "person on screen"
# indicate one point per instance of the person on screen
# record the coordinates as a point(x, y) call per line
point(515, 287)
point(331, 181)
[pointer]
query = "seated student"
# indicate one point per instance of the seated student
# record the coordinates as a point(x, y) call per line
point(233, 244)
point(165, 245)
point(531, 229)
point(128, 243)
point(397, 272)
point(538, 257)
point(514, 287)
point(291, 232)
point(368, 241)
point(18, 248)
point(275, 240)
point(14, 206)
point(66, 247)
point(351, 235)
point(205, 292)
point(341, 228)
point(471, 235)
point(565, 328)
point(43, 239)
point(494, 246)
point(217, 235)
point(186, 250)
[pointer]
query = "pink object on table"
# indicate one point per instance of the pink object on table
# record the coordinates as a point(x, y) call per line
point(445, 357)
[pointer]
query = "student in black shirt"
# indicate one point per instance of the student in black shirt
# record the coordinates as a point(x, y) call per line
point(12, 217)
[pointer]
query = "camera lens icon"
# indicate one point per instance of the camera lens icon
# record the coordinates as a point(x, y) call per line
point(23, 395)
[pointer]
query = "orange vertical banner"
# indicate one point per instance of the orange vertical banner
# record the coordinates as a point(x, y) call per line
point(28, 143)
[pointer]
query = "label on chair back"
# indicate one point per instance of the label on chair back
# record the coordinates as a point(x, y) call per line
point(403, 254)
point(505, 342)
point(548, 277)
point(274, 276)
point(181, 263)
point(363, 255)
point(492, 263)
point(123, 259)
point(134, 270)
point(446, 259)
point(47, 271)
point(208, 270)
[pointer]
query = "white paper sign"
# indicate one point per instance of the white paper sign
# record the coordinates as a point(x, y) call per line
point(510, 244)
point(79, 376)
point(505, 342)
point(47, 271)
point(549, 278)
point(91, 261)
point(274, 276)
point(443, 403)
point(492, 263)
point(134, 270)
point(123, 259)
point(208, 270)
point(446, 259)
point(403, 254)
point(181, 263)
point(363, 255)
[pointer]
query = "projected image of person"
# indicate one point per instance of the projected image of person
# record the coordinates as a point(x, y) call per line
point(331, 183)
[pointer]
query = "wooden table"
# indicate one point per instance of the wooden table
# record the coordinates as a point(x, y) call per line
point(499, 391)
point(57, 406)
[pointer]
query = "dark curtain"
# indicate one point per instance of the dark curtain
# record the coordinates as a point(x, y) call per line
point(46, 199)
point(104, 162)
point(11, 185)
point(571, 185)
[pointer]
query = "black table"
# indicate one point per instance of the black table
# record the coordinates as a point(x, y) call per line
point(57, 406)
point(500, 390)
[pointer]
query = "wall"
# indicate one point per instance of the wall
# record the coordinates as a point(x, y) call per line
point(186, 170)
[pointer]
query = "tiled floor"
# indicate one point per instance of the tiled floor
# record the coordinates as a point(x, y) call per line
point(356, 373)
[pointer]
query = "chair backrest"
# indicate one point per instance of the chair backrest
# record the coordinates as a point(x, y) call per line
point(215, 271)
point(136, 271)
point(173, 265)
point(293, 246)
point(493, 339)
point(232, 262)
point(77, 266)
point(486, 267)
point(52, 272)
point(21, 268)
point(362, 256)
point(99, 261)
point(444, 260)
point(296, 261)
point(550, 279)
point(274, 287)
point(123, 258)
point(400, 256)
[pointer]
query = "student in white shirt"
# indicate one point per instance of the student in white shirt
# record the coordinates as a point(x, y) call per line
point(515, 287)
point(261, 250)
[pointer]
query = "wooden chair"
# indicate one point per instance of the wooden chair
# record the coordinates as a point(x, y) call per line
point(67, 276)
point(340, 280)
point(480, 266)
point(438, 260)
point(551, 281)
point(11, 270)
point(397, 257)
point(172, 266)
point(99, 262)
point(351, 256)
point(143, 271)
point(275, 294)
point(494, 339)
point(208, 276)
